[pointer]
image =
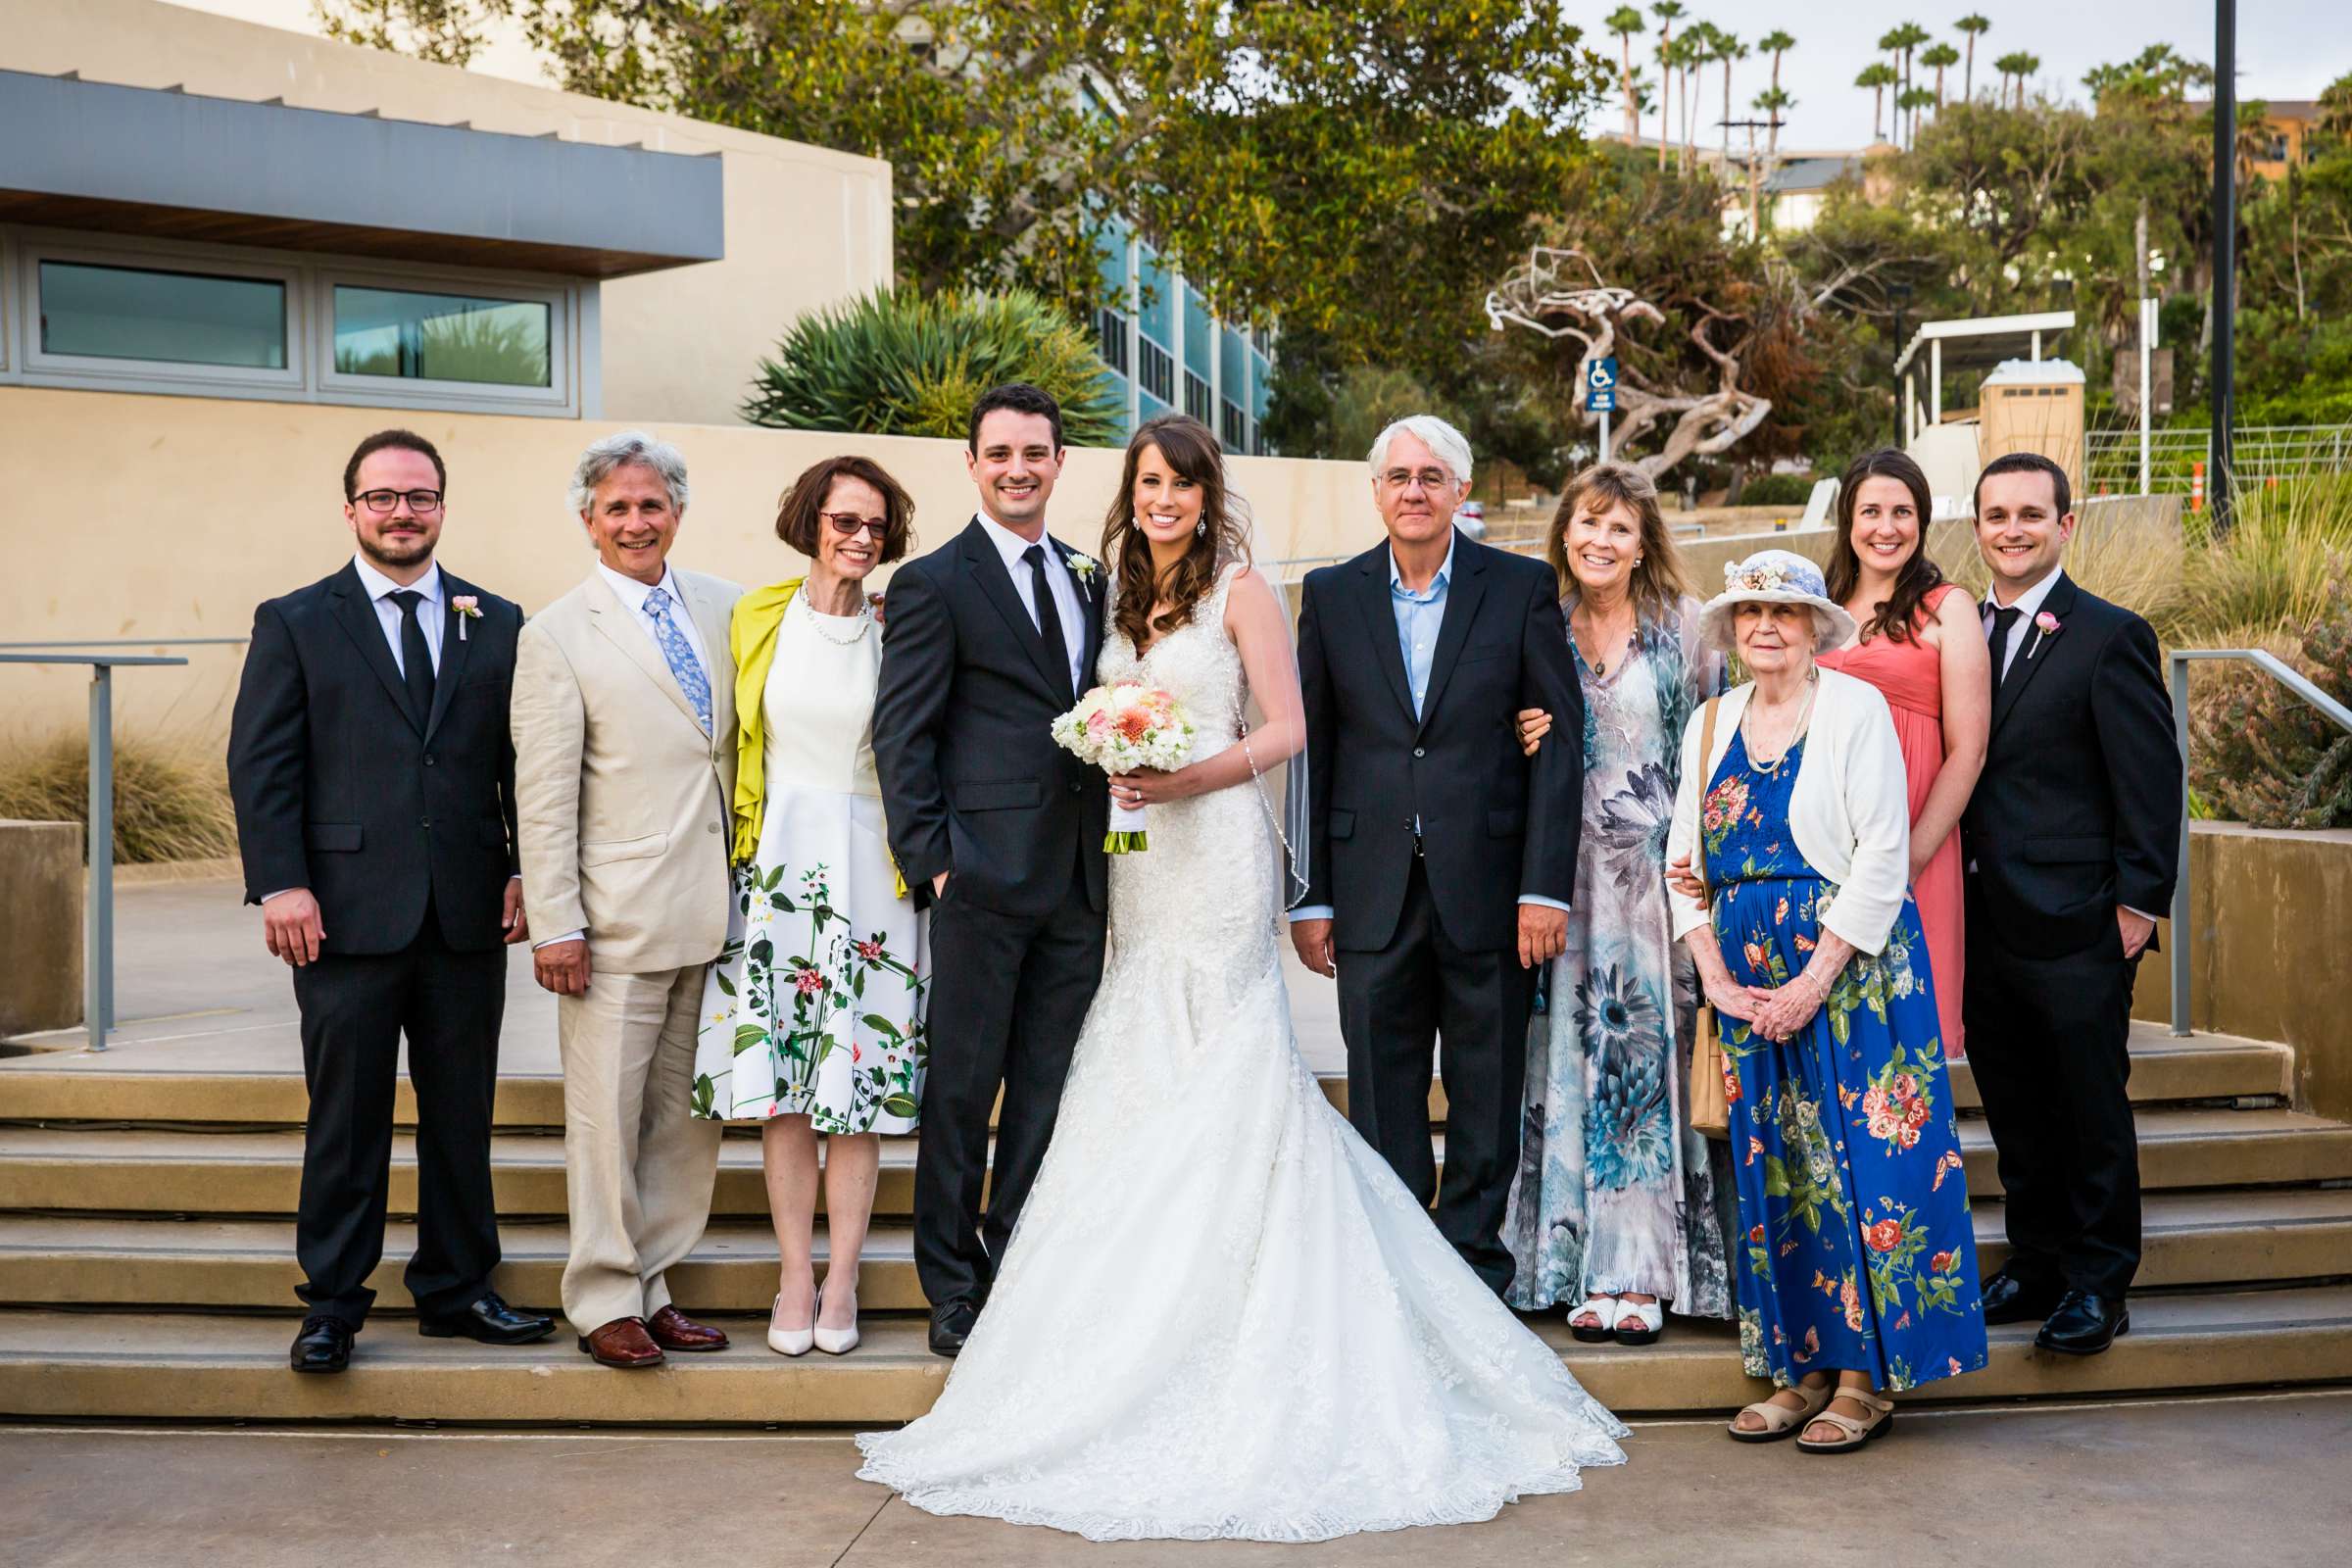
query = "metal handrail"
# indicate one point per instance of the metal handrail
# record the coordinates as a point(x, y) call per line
point(98, 961)
point(2285, 675)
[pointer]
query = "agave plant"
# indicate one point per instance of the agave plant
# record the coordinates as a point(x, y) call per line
point(907, 364)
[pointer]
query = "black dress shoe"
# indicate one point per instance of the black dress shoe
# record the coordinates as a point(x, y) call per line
point(489, 1319)
point(324, 1345)
point(951, 1325)
point(2007, 1299)
point(2083, 1324)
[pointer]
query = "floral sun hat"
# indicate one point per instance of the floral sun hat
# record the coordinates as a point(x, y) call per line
point(1775, 577)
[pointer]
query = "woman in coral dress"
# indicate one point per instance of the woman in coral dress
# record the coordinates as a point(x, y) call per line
point(1923, 647)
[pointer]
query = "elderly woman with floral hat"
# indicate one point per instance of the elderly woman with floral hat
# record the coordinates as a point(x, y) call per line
point(1857, 1270)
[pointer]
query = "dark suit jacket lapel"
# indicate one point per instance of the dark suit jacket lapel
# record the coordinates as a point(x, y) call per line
point(2031, 641)
point(1090, 599)
point(454, 646)
point(995, 586)
point(1462, 598)
point(356, 613)
point(1373, 599)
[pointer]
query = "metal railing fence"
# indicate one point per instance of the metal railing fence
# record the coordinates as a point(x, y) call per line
point(2177, 458)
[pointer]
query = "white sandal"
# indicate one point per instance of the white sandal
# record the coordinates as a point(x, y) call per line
point(1857, 1432)
point(1651, 1315)
point(1605, 1313)
point(1779, 1420)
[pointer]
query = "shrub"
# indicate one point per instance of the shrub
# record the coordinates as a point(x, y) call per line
point(2261, 754)
point(170, 802)
point(1777, 490)
point(907, 364)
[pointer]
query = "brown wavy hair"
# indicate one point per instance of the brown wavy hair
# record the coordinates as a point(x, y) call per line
point(1188, 447)
point(798, 515)
point(1896, 617)
point(1661, 582)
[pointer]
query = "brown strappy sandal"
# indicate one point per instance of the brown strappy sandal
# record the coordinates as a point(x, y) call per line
point(1857, 1432)
point(1779, 1420)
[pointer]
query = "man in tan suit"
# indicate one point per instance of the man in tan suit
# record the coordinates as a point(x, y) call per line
point(625, 770)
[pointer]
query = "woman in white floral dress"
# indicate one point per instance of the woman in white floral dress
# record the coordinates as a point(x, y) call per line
point(813, 1016)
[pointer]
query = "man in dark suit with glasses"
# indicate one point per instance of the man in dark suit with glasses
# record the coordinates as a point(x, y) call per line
point(373, 778)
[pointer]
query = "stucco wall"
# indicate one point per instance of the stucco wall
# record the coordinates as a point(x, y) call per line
point(161, 517)
point(2269, 951)
point(804, 226)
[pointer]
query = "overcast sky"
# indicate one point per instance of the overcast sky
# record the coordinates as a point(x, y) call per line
point(2285, 48)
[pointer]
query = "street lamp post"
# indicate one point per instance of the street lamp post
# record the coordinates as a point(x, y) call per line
point(2220, 482)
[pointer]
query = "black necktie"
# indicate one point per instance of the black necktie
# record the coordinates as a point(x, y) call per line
point(2004, 622)
point(1048, 619)
point(415, 658)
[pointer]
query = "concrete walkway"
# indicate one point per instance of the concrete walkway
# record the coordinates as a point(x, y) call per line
point(195, 991)
point(2258, 1481)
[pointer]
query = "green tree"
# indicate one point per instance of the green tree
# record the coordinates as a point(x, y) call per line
point(1878, 76)
point(1777, 43)
point(1941, 57)
point(447, 32)
point(2018, 66)
point(1725, 49)
point(1668, 13)
point(1901, 42)
point(1624, 21)
point(1974, 26)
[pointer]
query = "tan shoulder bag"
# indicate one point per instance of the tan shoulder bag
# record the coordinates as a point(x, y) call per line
point(1710, 1106)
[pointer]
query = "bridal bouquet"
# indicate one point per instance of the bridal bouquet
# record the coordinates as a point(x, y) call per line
point(1122, 728)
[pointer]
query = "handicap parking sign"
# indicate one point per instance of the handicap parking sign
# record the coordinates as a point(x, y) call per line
point(1600, 386)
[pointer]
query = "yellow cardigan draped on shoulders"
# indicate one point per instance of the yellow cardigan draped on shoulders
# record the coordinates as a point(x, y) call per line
point(751, 639)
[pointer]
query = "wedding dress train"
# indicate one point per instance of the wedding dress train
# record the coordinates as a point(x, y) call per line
point(1222, 1315)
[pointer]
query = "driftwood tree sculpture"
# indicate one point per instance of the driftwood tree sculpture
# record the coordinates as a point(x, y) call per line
point(1560, 292)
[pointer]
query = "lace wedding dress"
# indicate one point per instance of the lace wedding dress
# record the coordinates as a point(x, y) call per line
point(1221, 1315)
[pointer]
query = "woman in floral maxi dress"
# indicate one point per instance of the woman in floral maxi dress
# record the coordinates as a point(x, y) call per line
point(1857, 1269)
point(1615, 1194)
point(813, 1016)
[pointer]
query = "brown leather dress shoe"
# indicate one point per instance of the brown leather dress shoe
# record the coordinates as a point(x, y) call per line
point(673, 1330)
point(622, 1342)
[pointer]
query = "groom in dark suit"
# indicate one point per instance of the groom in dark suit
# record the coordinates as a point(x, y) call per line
point(2072, 842)
point(986, 640)
point(374, 788)
point(1442, 860)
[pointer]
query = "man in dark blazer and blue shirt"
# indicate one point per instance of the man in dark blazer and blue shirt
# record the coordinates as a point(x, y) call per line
point(374, 786)
point(2071, 841)
point(1441, 860)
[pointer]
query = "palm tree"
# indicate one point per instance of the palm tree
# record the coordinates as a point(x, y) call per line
point(1624, 21)
point(1942, 57)
point(1878, 76)
point(2020, 66)
point(1772, 101)
point(1778, 43)
point(1911, 100)
point(1698, 46)
point(1668, 13)
point(1972, 24)
point(1725, 48)
point(1907, 38)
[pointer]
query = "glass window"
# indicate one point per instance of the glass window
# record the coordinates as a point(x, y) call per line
point(441, 337)
point(134, 312)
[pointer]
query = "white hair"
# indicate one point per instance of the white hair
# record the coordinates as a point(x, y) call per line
point(1450, 446)
point(596, 463)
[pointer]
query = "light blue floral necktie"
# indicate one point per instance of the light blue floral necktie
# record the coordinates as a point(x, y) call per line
point(682, 662)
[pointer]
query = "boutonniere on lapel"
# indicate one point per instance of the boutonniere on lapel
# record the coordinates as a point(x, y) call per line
point(1083, 566)
point(466, 607)
point(2045, 627)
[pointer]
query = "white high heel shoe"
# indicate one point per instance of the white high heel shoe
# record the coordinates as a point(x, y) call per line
point(835, 1341)
point(789, 1342)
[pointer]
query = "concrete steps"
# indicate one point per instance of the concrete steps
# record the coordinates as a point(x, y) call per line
point(2205, 1238)
point(219, 1368)
point(139, 1170)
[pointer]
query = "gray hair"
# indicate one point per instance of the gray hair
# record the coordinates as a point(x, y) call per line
point(596, 463)
point(1450, 445)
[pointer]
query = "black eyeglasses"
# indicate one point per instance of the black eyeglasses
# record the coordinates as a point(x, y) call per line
point(381, 501)
point(849, 525)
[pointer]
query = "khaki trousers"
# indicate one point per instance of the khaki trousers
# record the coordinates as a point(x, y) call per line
point(638, 1166)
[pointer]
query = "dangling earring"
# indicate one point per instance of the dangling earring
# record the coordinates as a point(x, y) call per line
point(1200, 529)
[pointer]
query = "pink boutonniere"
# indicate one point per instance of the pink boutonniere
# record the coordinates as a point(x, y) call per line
point(2045, 627)
point(466, 607)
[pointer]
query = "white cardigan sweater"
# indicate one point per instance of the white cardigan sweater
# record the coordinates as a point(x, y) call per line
point(1849, 809)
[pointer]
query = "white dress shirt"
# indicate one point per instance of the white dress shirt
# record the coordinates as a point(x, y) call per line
point(2028, 605)
point(430, 613)
point(1059, 582)
point(633, 594)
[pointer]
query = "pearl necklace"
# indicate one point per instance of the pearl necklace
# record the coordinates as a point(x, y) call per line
point(864, 617)
point(1773, 770)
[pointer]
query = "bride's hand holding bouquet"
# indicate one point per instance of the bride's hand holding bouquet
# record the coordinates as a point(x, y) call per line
point(1140, 737)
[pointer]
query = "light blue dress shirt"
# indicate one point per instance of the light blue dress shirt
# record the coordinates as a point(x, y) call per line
point(1420, 617)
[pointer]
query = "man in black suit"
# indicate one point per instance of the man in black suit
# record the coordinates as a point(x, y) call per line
point(375, 789)
point(2072, 842)
point(987, 640)
point(1441, 859)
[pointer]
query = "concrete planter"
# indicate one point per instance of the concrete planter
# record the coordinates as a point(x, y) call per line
point(40, 926)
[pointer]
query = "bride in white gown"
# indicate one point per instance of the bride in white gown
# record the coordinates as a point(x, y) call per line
point(1221, 1315)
